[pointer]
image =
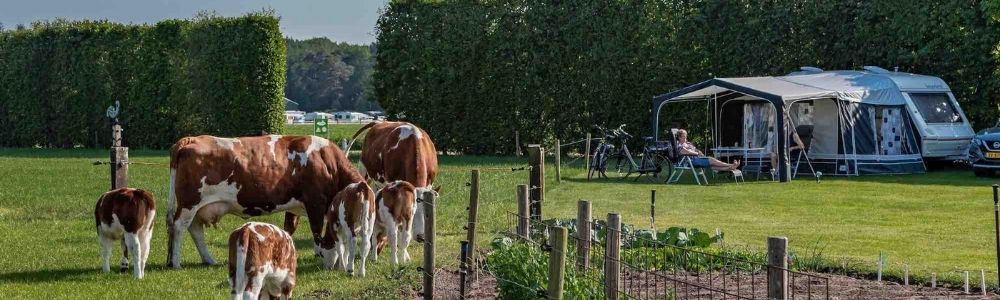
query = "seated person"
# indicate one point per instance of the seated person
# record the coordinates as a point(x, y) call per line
point(701, 161)
point(797, 145)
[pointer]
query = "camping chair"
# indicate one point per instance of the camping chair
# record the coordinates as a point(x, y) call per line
point(805, 134)
point(682, 163)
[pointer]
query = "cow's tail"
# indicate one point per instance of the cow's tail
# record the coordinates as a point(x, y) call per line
point(175, 153)
point(356, 134)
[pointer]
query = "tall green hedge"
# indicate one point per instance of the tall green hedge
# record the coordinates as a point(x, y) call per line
point(473, 72)
point(208, 75)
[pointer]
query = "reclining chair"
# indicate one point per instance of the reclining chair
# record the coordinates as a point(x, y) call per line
point(682, 163)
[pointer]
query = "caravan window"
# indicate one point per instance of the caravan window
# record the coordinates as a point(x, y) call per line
point(935, 107)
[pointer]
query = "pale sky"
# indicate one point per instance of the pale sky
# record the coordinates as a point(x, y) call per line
point(340, 20)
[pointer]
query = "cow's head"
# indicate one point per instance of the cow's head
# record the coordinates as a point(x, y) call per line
point(326, 248)
point(436, 191)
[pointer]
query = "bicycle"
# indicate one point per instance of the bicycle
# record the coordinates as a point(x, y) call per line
point(651, 159)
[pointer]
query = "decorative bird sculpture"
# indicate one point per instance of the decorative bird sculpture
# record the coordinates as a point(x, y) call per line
point(112, 111)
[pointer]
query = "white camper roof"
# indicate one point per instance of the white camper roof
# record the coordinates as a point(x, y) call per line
point(872, 86)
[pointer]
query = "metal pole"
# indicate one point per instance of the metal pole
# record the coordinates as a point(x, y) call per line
point(464, 269)
point(473, 216)
point(996, 225)
point(652, 210)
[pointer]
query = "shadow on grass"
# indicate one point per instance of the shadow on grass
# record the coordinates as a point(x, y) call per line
point(81, 274)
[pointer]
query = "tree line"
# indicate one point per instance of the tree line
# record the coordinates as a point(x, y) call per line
point(481, 70)
point(324, 76)
point(207, 75)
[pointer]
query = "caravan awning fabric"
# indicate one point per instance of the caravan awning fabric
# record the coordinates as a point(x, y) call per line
point(850, 86)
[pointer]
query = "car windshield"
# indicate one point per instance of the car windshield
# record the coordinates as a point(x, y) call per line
point(935, 107)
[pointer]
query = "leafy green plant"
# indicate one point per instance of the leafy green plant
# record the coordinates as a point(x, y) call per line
point(522, 271)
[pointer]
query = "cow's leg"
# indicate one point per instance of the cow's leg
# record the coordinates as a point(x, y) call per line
point(392, 232)
point(404, 245)
point(375, 241)
point(256, 284)
point(123, 265)
point(144, 239)
point(106, 245)
point(291, 222)
point(197, 231)
point(184, 219)
point(132, 244)
point(352, 245)
point(366, 245)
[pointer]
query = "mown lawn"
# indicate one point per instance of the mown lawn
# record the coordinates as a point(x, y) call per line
point(940, 222)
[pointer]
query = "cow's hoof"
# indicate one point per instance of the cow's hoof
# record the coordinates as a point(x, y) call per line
point(208, 263)
point(419, 238)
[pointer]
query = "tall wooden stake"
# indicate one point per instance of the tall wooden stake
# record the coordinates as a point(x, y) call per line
point(428, 245)
point(536, 159)
point(612, 256)
point(558, 162)
point(473, 216)
point(583, 219)
point(523, 226)
point(119, 159)
point(777, 276)
point(586, 155)
point(463, 269)
point(557, 262)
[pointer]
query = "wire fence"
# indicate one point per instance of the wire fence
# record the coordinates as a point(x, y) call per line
point(650, 268)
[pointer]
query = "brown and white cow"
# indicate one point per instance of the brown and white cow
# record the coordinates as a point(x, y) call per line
point(262, 258)
point(250, 176)
point(400, 151)
point(125, 214)
point(395, 209)
point(350, 221)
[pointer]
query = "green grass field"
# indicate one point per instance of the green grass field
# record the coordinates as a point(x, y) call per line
point(937, 222)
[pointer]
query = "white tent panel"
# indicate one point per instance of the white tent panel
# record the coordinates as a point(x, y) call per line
point(826, 130)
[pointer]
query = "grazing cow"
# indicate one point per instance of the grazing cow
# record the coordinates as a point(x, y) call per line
point(395, 203)
point(125, 214)
point(262, 258)
point(400, 151)
point(250, 176)
point(350, 221)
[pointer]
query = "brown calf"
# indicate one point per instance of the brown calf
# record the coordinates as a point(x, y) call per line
point(350, 221)
point(395, 203)
point(400, 151)
point(125, 214)
point(262, 258)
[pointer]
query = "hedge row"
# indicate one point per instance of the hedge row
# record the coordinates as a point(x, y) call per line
point(209, 75)
point(481, 70)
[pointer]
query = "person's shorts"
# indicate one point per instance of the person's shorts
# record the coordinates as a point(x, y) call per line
point(700, 162)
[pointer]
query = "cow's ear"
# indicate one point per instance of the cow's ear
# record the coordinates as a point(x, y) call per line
point(437, 189)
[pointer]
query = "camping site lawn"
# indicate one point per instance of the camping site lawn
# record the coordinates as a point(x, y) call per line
point(937, 222)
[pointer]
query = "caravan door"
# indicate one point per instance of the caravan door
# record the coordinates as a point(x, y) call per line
point(944, 130)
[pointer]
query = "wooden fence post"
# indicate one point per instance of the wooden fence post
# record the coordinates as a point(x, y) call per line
point(428, 245)
point(586, 154)
point(558, 162)
point(473, 216)
point(536, 159)
point(517, 144)
point(523, 226)
point(777, 275)
point(119, 159)
point(583, 219)
point(611, 259)
point(557, 262)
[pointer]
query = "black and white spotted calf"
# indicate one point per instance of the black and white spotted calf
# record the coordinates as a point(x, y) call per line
point(125, 214)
